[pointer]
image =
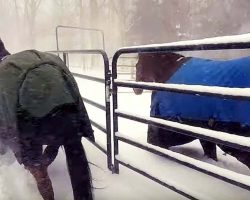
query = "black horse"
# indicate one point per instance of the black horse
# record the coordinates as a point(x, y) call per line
point(208, 112)
point(40, 104)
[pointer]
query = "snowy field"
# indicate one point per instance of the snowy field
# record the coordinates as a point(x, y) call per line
point(17, 184)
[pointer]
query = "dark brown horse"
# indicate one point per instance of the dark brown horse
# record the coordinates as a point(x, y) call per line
point(45, 109)
point(162, 67)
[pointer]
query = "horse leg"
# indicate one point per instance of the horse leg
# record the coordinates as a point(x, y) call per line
point(165, 138)
point(43, 181)
point(209, 149)
point(78, 170)
point(243, 157)
point(155, 136)
point(32, 160)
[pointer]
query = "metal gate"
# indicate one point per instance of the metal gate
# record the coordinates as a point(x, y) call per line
point(83, 29)
point(107, 87)
point(65, 54)
point(111, 84)
point(232, 42)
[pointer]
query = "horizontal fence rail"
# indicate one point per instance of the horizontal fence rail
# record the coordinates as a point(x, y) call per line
point(239, 142)
point(93, 103)
point(180, 190)
point(235, 141)
point(99, 126)
point(224, 92)
point(91, 78)
point(86, 51)
point(209, 169)
point(216, 43)
point(79, 28)
point(98, 146)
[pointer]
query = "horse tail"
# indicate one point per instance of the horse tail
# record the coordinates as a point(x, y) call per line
point(79, 171)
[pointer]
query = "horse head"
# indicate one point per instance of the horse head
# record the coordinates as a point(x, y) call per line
point(156, 67)
point(144, 71)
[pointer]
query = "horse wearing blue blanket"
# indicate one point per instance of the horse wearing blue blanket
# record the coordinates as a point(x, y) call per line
point(215, 113)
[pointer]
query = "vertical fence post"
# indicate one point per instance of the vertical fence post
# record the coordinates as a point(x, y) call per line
point(107, 75)
point(65, 59)
point(115, 116)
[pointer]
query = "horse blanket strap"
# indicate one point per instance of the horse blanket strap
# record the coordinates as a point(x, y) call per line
point(232, 73)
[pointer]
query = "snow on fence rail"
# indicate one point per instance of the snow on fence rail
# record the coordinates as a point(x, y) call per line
point(217, 43)
point(225, 92)
point(219, 137)
point(172, 186)
point(236, 178)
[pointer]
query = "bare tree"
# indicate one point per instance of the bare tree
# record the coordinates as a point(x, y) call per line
point(30, 12)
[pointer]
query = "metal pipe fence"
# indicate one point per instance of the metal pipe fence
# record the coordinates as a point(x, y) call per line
point(107, 84)
point(233, 42)
point(79, 28)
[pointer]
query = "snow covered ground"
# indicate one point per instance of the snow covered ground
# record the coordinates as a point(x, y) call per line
point(17, 184)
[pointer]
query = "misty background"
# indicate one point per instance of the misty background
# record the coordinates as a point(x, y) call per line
point(30, 24)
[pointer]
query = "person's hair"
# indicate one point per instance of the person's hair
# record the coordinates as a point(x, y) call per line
point(3, 51)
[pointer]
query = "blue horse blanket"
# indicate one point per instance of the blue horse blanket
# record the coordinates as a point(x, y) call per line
point(196, 71)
